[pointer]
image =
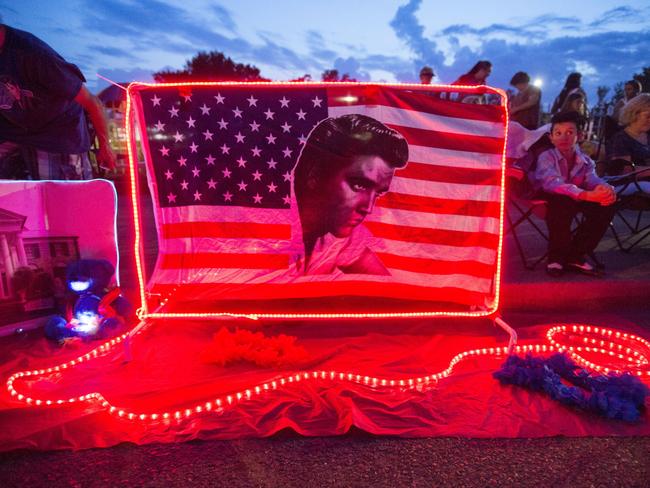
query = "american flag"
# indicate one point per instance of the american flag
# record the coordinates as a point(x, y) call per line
point(220, 160)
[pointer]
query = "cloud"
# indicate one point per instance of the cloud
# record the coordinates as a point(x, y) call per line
point(315, 43)
point(605, 57)
point(113, 52)
point(225, 18)
point(407, 27)
point(620, 14)
point(152, 22)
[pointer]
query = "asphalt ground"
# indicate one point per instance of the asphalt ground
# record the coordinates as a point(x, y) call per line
point(359, 459)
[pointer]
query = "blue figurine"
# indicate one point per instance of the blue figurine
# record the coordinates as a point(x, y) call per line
point(91, 310)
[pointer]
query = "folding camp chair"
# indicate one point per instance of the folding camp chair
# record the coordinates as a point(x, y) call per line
point(521, 211)
point(633, 196)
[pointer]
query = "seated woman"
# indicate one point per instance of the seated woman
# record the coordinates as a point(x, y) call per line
point(567, 180)
point(631, 144)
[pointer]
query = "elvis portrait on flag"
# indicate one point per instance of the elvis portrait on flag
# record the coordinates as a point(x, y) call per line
point(317, 190)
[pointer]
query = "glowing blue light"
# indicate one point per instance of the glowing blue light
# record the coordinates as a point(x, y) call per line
point(79, 286)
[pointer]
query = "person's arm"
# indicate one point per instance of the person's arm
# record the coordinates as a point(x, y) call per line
point(548, 176)
point(92, 105)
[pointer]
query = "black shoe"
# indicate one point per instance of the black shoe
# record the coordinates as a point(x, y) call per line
point(584, 268)
point(554, 269)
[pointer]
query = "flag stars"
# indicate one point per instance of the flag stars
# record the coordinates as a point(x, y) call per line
point(287, 176)
point(173, 112)
point(242, 186)
point(169, 175)
point(208, 135)
point(241, 162)
point(156, 101)
point(255, 127)
point(225, 149)
point(178, 137)
point(285, 127)
point(219, 98)
point(284, 102)
point(223, 125)
point(272, 163)
point(187, 97)
point(184, 185)
point(316, 101)
point(286, 200)
point(197, 196)
point(226, 173)
point(240, 137)
point(196, 172)
point(271, 139)
point(182, 161)
point(269, 114)
point(171, 198)
point(252, 101)
point(164, 151)
point(257, 176)
point(227, 196)
point(190, 122)
point(287, 152)
point(237, 112)
point(301, 114)
point(205, 110)
point(272, 187)
point(302, 139)
point(194, 147)
point(256, 151)
point(210, 159)
point(257, 198)
point(212, 185)
point(160, 126)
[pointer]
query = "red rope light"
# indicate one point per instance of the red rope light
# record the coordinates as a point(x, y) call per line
point(574, 339)
point(144, 311)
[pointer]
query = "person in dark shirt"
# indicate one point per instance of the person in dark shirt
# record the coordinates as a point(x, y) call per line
point(43, 130)
point(525, 105)
point(571, 85)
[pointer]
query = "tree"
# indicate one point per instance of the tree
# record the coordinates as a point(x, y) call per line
point(333, 75)
point(602, 92)
point(644, 79)
point(305, 77)
point(210, 66)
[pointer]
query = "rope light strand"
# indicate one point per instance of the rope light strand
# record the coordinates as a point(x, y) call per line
point(573, 339)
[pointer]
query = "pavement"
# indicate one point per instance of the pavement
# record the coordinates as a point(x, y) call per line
point(625, 283)
point(529, 297)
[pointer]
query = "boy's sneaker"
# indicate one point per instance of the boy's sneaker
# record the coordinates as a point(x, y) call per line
point(554, 269)
point(584, 268)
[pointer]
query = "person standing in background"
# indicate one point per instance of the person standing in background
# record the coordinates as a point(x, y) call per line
point(571, 85)
point(43, 129)
point(426, 75)
point(525, 105)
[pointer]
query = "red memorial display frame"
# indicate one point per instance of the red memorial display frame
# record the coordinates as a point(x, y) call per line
point(457, 149)
point(170, 380)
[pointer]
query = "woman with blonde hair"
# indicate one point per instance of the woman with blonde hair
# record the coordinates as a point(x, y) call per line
point(631, 144)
